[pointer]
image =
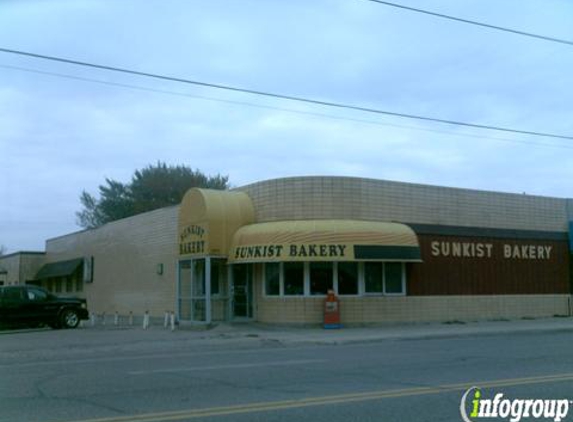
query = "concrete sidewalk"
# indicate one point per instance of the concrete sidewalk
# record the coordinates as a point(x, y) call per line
point(90, 342)
point(252, 332)
point(345, 335)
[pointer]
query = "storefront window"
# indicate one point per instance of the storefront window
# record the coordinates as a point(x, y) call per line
point(198, 307)
point(69, 284)
point(198, 284)
point(347, 278)
point(373, 280)
point(272, 279)
point(293, 278)
point(393, 280)
point(242, 301)
point(185, 290)
point(288, 278)
point(387, 278)
point(320, 277)
point(218, 276)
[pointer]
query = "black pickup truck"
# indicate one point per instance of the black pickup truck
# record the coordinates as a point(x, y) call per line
point(33, 306)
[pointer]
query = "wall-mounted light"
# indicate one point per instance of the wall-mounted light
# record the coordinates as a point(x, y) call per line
point(159, 269)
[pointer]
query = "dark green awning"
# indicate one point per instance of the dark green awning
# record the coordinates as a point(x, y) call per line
point(59, 269)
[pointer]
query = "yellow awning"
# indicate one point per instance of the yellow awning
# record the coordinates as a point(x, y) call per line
point(209, 218)
point(324, 240)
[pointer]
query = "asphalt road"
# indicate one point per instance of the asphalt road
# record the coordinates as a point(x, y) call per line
point(127, 376)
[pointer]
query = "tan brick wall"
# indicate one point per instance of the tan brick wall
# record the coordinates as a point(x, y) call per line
point(380, 200)
point(128, 251)
point(359, 310)
point(20, 267)
point(10, 264)
point(30, 264)
point(126, 254)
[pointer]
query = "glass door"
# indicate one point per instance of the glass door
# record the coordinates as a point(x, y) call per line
point(203, 292)
point(242, 291)
point(192, 295)
point(184, 291)
point(198, 297)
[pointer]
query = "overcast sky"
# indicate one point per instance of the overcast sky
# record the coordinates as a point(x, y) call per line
point(61, 135)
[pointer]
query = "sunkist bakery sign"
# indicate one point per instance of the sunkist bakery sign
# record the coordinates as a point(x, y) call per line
point(192, 240)
point(489, 250)
point(290, 251)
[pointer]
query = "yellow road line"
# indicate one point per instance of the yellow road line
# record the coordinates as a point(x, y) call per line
point(332, 399)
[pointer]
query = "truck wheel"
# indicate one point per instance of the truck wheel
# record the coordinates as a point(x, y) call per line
point(69, 318)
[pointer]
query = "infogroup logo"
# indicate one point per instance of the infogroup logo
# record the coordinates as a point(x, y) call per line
point(513, 410)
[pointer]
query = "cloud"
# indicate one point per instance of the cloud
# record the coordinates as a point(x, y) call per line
point(59, 136)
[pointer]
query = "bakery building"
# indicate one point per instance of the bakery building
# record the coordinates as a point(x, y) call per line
point(269, 252)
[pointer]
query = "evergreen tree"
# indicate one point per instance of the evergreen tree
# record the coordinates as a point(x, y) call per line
point(150, 188)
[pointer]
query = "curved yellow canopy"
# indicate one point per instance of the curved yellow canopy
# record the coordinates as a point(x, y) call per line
point(209, 218)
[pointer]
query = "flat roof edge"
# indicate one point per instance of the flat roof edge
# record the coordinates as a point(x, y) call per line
point(22, 253)
point(397, 182)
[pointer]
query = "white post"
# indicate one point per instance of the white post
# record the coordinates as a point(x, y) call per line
point(92, 319)
point(166, 319)
point(178, 287)
point(172, 320)
point(146, 320)
point(208, 290)
point(230, 289)
point(116, 319)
